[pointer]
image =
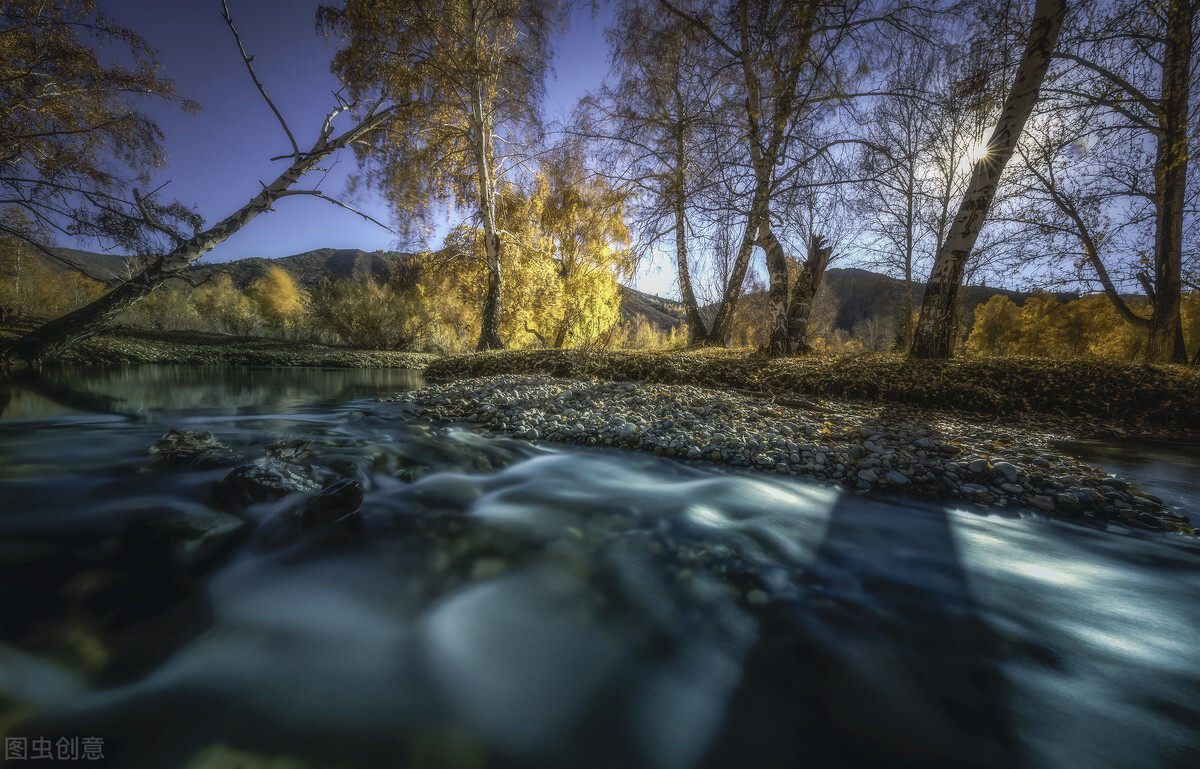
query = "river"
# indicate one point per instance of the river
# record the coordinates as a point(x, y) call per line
point(519, 605)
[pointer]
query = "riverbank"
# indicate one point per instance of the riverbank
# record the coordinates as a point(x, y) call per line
point(1083, 398)
point(126, 346)
point(879, 448)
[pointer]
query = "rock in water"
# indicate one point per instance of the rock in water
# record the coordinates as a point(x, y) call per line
point(333, 514)
point(180, 447)
point(266, 479)
point(332, 505)
point(290, 449)
point(194, 540)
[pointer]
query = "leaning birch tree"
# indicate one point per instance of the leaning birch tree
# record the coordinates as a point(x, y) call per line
point(934, 335)
point(51, 339)
point(468, 77)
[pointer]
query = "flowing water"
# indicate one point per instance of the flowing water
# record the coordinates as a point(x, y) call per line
point(513, 605)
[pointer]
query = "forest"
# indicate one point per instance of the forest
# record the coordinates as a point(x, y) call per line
point(1038, 146)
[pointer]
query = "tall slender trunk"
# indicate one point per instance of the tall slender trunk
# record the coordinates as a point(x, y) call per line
point(1165, 343)
point(804, 292)
point(904, 326)
point(481, 134)
point(53, 338)
point(722, 326)
point(696, 329)
point(934, 337)
point(760, 202)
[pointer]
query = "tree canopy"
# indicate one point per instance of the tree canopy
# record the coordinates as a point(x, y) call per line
point(73, 142)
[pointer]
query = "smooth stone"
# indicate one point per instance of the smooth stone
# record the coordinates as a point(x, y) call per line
point(266, 479)
point(868, 476)
point(332, 512)
point(898, 478)
point(1007, 470)
point(180, 447)
point(1065, 500)
point(977, 465)
point(1043, 503)
point(194, 540)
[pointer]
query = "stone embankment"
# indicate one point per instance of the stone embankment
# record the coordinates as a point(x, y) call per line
point(867, 449)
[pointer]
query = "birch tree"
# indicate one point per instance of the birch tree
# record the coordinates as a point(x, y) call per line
point(769, 47)
point(1134, 59)
point(54, 337)
point(934, 335)
point(660, 120)
point(468, 77)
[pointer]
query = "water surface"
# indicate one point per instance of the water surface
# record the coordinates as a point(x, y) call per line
point(539, 606)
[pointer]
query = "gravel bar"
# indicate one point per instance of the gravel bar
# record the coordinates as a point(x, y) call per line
point(868, 449)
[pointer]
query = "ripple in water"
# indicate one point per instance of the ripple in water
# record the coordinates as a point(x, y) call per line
point(530, 606)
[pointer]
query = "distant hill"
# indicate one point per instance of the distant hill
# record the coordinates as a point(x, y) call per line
point(309, 268)
point(109, 269)
point(860, 294)
point(661, 313)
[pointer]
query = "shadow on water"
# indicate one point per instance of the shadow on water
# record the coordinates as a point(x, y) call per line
point(884, 661)
point(518, 605)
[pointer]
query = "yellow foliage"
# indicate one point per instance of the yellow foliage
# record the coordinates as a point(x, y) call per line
point(1088, 327)
point(641, 334)
point(168, 308)
point(995, 329)
point(281, 303)
point(565, 244)
point(371, 315)
point(31, 289)
point(225, 307)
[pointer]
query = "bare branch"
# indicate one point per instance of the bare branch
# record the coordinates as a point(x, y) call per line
point(338, 203)
point(249, 60)
point(149, 218)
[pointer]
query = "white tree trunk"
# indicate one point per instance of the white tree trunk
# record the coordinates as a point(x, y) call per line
point(934, 337)
point(53, 338)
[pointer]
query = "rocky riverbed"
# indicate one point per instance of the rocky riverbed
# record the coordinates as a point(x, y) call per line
point(866, 448)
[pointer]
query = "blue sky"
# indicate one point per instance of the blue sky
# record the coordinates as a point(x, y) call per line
point(218, 156)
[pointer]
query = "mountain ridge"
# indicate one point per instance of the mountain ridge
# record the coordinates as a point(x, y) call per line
point(861, 294)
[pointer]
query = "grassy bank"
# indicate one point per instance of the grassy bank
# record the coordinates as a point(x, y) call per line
point(1129, 394)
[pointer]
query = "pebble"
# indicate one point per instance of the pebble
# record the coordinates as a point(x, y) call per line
point(854, 445)
point(1007, 470)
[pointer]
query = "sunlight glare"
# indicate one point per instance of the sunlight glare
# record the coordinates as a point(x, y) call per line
point(978, 151)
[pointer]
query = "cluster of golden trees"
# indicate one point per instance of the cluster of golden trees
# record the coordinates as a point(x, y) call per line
point(29, 289)
point(1087, 327)
point(564, 303)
